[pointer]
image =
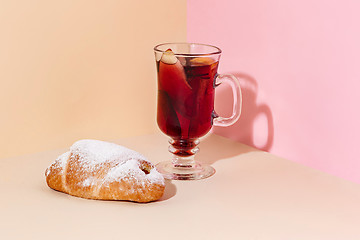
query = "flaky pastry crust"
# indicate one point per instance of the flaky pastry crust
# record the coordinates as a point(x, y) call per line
point(99, 170)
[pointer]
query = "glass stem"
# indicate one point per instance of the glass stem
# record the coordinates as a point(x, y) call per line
point(183, 151)
point(183, 162)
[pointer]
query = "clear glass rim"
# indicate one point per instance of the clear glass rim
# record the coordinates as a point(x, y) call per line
point(216, 49)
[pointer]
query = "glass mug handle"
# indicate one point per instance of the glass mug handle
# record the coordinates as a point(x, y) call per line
point(237, 95)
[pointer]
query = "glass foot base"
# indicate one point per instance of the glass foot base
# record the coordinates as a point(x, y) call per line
point(194, 172)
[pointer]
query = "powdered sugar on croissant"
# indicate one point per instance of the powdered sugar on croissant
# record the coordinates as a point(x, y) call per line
point(102, 170)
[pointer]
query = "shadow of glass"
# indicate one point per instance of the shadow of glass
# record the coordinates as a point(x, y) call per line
point(244, 129)
point(214, 148)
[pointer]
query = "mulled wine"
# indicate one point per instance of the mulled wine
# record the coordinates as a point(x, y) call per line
point(187, 77)
point(185, 98)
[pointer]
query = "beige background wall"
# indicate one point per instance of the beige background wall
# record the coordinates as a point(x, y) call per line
point(80, 69)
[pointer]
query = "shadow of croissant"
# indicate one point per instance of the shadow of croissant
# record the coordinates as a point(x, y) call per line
point(170, 190)
point(244, 129)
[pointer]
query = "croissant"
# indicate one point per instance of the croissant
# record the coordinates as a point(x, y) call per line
point(101, 170)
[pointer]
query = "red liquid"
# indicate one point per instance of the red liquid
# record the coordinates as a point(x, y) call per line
point(186, 100)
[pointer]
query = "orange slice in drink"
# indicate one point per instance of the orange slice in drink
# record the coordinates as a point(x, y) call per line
point(199, 61)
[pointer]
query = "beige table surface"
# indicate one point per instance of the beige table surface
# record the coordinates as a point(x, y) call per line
point(253, 195)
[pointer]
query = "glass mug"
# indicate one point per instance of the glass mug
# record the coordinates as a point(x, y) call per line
point(187, 78)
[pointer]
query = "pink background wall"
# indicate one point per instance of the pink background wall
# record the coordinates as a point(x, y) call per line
point(299, 64)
